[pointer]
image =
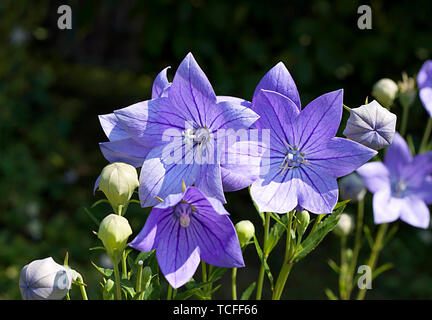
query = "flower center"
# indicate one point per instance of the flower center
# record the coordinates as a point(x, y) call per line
point(293, 159)
point(183, 212)
point(200, 136)
point(398, 188)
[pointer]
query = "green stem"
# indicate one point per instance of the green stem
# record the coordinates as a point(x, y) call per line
point(83, 292)
point(376, 249)
point(287, 264)
point(404, 121)
point(426, 135)
point(117, 281)
point(343, 269)
point(139, 277)
point(357, 246)
point(262, 269)
point(124, 267)
point(233, 284)
point(169, 295)
point(204, 271)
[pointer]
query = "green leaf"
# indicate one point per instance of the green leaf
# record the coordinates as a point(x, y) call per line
point(143, 256)
point(216, 273)
point(315, 238)
point(330, 294)
point(105, 272)
point(248, 292)
point(264, 262)
point(275, 233)
point(127, 287)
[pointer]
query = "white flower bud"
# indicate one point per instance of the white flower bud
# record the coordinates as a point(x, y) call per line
point(371, 125)
point(118, 181)
point(114, 231)
point(345, 225)
point(44, 280)
point(352, 187)
point(385, 90)
point(245, 231)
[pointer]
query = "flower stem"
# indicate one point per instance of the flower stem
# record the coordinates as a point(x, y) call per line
point(262, 269)
point(404, 121)
point(117, 281)
point(287, 264)
point(233, 284)
point(426, 135)
point(169, 295)
point(376, 249)
point(124, 266)
point(343, 269)
point(139, 277)
point(356, 250)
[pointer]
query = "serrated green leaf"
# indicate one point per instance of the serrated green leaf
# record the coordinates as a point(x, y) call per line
point(248, 292)
point(264, 262)
point(315, 238)
point(105, 272)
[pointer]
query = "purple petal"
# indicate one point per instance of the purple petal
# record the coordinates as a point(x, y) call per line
point(385, 207)
point(191, 91)
point(319, 121)
point(127, 151)
point(415, 212)
point(398, 155)
point(148, 237)
point(209, 181)
point(229, 115)
point(317, 191)
point(96, 185)
point(233, 100)
point(242, 165)
point(340, 157)
point(161, 178)
point(160, 83)
point(414, 173)
point(147, 121)
point(375, 176)
point(178, 254)
point(277, 191)
point(424, 82)
point(424, 190)
point(112, 127)
point(214, 232)
point(279, 79)
point(277, 113)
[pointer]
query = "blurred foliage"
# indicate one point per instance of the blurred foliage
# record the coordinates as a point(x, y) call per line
point(54, 83)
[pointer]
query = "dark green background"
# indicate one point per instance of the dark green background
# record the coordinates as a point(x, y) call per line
point(54, 83)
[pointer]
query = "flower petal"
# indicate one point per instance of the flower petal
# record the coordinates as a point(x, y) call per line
point(191, 91)
point(385, 207)
point(214, 233)
point(277, 191)
point(415, 212)
point(319, 121)
point(160, 84)
point(424, 191)
point(178, 254)
point(209, 181)
point(398, 155)
point(112, 128)
point(127, 151)
point(415, 172)
point(375, 176)
point(424, 82)
point(161, 178)
point(277, 113)
point(230, 115)
point(426, 98)
point(279, 79)
point(147, 121)
point(233, 100)
point(157, 221)
point(340, 157)
point(317, 191)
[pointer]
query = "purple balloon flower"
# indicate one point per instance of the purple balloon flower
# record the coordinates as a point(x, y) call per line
point(305, 158)
point(424, 82)
point(186, 110)
point(185, 228)
point(401, 185)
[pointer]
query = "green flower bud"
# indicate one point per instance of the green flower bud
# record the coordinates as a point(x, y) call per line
point(245, 231)
point(108, 290)
point(303, 219)
point(118, 181)
point(345, 225)
point(407, 91)
point(385, 91)
point(114, 232)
